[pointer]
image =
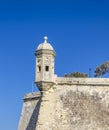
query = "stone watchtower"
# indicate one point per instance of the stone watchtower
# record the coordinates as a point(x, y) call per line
point(34, 107)
point(45, 56)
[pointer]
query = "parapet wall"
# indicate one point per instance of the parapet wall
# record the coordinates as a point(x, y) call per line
point(82, 81)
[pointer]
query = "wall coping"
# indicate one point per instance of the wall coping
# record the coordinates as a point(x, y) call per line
point(82, 81)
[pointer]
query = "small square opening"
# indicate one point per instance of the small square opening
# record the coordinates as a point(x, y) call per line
point(46, 68)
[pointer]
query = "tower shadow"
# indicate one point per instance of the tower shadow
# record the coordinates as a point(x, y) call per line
point(34, 117)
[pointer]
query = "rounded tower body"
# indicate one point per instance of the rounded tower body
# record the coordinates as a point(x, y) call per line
point(45, 56)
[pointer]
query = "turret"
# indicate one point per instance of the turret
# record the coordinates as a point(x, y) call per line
point(45, 56)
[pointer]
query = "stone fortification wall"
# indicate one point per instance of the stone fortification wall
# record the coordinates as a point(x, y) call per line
point(29, 113)
point(74, 104)
point(70, 104)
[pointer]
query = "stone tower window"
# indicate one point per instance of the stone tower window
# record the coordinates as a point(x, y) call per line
point(46, 68)
point(39, 68)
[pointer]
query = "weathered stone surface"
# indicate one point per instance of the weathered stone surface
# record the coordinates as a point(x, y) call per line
point(29, 113)
point(76, 106)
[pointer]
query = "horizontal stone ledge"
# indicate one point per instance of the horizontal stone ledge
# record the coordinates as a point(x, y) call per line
point(32, 96)
point(83, 84)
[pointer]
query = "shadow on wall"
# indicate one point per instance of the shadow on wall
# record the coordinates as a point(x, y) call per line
point(33, 120)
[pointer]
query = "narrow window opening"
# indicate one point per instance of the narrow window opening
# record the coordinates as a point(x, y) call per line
point(39, 68)
point(46, 68)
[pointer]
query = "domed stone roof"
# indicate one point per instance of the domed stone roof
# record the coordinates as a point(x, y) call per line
point(45, 45)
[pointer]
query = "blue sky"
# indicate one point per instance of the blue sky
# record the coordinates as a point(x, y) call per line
point(78, 30)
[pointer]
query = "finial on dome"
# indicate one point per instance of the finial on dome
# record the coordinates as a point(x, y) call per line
point(45, 39)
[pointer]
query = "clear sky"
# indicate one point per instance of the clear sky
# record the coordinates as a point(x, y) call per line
point(77, 29)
